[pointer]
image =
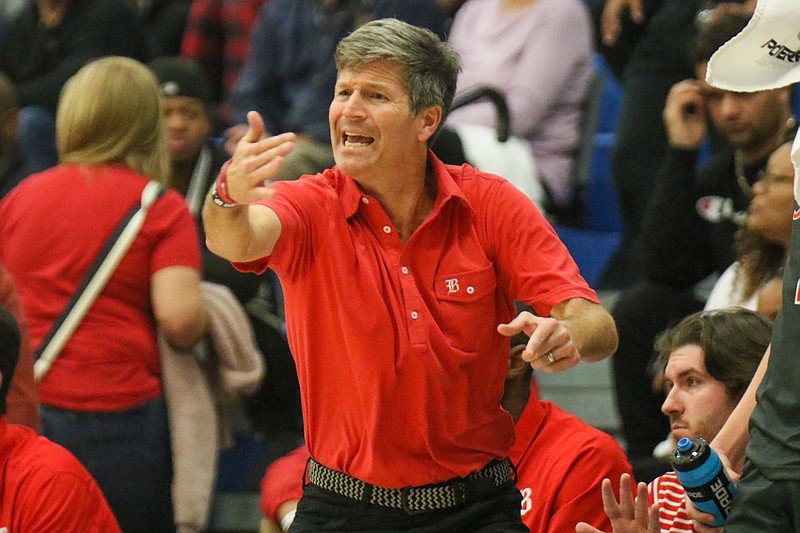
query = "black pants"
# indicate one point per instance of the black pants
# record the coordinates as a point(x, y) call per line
point(492, 510)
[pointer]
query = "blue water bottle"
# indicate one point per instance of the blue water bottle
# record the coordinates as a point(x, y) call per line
point(700, 471)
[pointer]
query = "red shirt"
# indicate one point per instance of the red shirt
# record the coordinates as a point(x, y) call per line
point(44, 488)
point(669, 493)
point(400, 364)
point(283, 482)
point(52, 226)
point(561, 462)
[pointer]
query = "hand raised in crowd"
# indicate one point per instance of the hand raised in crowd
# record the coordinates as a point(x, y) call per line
point(629, 515)
point(550, 347)
point(611, 19)
point(685, 114)
point(256, 160)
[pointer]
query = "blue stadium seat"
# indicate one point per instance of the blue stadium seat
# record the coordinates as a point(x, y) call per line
point(594, 241)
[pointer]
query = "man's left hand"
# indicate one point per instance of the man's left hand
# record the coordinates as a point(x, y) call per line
point(550, 347)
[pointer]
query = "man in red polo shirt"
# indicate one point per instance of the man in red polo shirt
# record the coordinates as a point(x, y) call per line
point(42, 486)
point(400, 276)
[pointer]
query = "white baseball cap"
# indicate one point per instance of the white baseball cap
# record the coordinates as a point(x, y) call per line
point(765, 54)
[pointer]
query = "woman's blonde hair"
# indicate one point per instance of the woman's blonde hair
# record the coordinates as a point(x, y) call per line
point(109, 112)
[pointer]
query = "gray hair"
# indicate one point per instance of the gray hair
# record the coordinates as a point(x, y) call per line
point(430, 66)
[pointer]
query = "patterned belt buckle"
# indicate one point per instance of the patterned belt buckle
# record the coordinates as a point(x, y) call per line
point(405, 494)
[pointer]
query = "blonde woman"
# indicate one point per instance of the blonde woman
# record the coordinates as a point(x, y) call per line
point(102, 399)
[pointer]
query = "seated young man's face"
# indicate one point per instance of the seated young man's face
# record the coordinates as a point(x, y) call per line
point(697, 404)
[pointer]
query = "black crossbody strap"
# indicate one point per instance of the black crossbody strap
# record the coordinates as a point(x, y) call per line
point(93, 281)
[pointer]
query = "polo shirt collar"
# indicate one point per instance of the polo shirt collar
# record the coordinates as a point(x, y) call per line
point(447, 184)
point(528, 426)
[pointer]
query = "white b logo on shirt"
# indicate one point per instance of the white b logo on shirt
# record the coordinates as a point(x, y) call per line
point(452, 285)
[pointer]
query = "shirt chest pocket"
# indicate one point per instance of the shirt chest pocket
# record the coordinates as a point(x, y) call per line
point(466, 307)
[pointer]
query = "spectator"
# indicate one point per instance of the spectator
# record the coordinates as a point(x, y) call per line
point(12, 165)
point(194, 158)
point(688, 231)
point(289, 74)
point(42, 487)
point(196, 161)
point(400, 275)
point(708, 359)
point(21, 404)
point(216, 36)
point(648, 44)
point(45, 44)
point(560, 461)
point(102, 399)
point(754, 280)
point(516, 48)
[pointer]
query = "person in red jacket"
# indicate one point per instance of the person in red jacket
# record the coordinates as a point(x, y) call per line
point(43, 487)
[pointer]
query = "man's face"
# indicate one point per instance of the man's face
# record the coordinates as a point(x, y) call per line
point(186, 127)
point(746, 120)
point(372, 129)
point(696, 403)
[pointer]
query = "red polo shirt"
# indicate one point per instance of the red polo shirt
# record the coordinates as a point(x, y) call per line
point(400, 364)
point(561, 463)
point(43, 487)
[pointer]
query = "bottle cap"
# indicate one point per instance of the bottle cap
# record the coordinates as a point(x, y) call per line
point(685, 444)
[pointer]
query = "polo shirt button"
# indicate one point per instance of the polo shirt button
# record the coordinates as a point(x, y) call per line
point(387, 229)
point(365, 200)
point(404, 270)
point(414, 315)
point(470, 289)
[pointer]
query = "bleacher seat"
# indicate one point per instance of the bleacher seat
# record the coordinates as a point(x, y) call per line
point(594, 240)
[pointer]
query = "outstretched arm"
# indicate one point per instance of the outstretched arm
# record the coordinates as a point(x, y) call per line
point(247, 232)
point(732, 439)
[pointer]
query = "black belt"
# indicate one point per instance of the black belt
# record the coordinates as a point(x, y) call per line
point(443, 495)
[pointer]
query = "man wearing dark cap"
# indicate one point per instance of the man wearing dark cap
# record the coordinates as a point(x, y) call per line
point(186, 99)
point(185, 93)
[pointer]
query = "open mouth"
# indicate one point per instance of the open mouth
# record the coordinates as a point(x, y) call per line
point(356, 141)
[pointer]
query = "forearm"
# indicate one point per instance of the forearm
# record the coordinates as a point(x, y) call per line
point(591, 328)
point(230, 232)
point(734, 435)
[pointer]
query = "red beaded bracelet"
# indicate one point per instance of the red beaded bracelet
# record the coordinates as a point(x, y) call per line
point(222, 186)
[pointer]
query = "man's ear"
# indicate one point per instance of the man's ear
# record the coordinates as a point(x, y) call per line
point(431, 117)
